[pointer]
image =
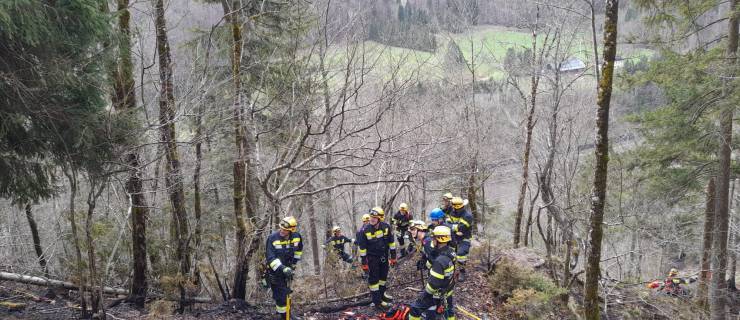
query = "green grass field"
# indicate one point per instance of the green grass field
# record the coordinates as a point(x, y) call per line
point(485, 46)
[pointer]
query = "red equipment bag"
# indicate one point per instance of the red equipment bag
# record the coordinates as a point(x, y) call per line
point(397, 312)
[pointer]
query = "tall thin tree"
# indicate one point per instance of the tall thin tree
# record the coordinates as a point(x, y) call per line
point(173, 178)
point(706, 251)
point(718, 288)
point(598, 197)
point(124, 100)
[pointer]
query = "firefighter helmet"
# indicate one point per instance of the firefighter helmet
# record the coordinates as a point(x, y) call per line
point(365, 217)
point(418, 225)
point(403, 207)
point(457, 203)
point(442, 234)
point(377, 212)
point(436, 214)
point(289, 223)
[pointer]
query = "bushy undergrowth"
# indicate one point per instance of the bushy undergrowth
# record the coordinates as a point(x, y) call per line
point(529, 294)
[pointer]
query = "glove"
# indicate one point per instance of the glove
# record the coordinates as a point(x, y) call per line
point(288, 272)
point(420, 265)
point(365, 268)
point(392, 262)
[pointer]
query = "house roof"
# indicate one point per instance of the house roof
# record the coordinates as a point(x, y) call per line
point(572, 64)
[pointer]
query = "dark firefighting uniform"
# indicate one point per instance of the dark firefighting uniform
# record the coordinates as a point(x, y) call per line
point(402, 221)
point(338, 243)
point(460, 221)
point(438, 287)
point(376, 245)
point(282, 253)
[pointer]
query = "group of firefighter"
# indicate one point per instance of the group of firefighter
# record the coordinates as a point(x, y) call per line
point(443, 246)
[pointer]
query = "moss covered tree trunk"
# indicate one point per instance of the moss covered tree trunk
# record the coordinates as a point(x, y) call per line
point(173, 177)
point(598, 197)
point(239, 290)
point(124, 100)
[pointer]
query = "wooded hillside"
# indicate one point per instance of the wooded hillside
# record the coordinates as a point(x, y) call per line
point(149, 148)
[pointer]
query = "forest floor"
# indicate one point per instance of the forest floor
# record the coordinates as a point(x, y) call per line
point(326, 297)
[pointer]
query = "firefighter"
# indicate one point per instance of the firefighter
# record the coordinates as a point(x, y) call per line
point(672, 283)
point(365, 220)
point(401, 221)
point(438, 219)
point(283, 252)
point(447, 203)
point(437, 295)
point(378, 251)
point(338, 240)
point(418, 231)
point(461, 221)
point(437, 216)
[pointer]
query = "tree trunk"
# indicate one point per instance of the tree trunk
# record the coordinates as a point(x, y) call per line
point(735, 246)
point(423, 198)
point(124, 100)
point(239, 172)
point(72, 178)
point(328, 111)
point(173, 179)
point(196, 190)
point(527, 139)
point(473, 195)
point(704, 274)
point(96, 292)
point(718, 288)
point(598, 197)
point(313, 232)
point(732, 267)
point(38, 281)
point(36, 240)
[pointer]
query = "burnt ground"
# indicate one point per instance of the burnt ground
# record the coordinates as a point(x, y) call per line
point(338, 294)
point(314, 298)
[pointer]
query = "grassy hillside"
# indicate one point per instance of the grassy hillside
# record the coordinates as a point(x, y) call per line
point(486, 46)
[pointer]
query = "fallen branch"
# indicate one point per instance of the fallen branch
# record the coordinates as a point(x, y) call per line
point(330, 309)
point(39, 281)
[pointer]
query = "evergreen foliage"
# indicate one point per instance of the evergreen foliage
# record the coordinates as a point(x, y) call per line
point(51, 101)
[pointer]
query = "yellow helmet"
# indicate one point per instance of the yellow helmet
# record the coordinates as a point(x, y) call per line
point(447, 196)
point(403, 207)
point(673, 272)
point(418, 225)
point(457, 203)
point(365, 217)
point(335, 229)
point(289, 223)
point(377, 212)
point(442, 234)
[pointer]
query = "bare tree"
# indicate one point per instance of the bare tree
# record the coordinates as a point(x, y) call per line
point(173, 178)
point(124, 100)
point(598, 198)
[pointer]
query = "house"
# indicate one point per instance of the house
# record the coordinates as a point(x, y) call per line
point(572, 65)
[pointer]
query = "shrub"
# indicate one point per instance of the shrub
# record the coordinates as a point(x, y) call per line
point(528, 293)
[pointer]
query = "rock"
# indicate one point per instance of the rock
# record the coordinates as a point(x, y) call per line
point(524, 257)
